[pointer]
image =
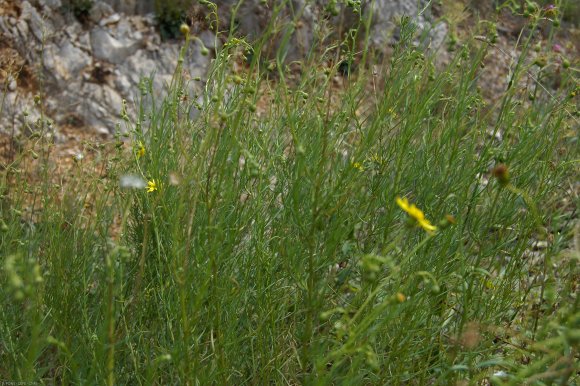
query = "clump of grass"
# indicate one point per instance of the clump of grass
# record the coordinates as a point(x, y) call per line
point(263, 241)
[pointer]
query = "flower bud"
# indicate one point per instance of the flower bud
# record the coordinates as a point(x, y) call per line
point(447, 221)
point(551, 10)
point(184, 29)
point(541, 61)
point(501, 173)
point(566, 63)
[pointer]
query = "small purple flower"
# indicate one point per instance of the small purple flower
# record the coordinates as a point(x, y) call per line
point(557, 48)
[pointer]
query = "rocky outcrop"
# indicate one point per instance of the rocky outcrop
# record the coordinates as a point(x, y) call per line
point(85, 69)
point(133, 7)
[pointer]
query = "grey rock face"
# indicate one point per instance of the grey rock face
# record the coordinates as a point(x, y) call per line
point(299, 18)
point(302, 19)
point(51, 4)
point(64, 61)
point(87, 70)
point(384, 30)
point(11, 83)
point(90, 68)
point(100, 11)
point(132, 7)
point(101, 105)
point(114, 49)
point(39, 28)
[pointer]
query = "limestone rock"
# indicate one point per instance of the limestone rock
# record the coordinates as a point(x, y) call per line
point(40, 28)
point(50, 4)
point(114, 49)
point(91, 67)
point(88, 68)
point(132, 7)
point(64, 61)
point(385, 31)
point(302, 18)
point(99, 11)
point(100, 106)
point(113, 19)
point(12, 84)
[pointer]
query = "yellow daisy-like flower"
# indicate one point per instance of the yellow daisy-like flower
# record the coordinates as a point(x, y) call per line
point(416, 213)
point(151, 186)
point(140, 151)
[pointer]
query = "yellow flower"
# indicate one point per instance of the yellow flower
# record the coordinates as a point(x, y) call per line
point(358, 166)
point(140, 150)
point(151, 186)
point(416, 213)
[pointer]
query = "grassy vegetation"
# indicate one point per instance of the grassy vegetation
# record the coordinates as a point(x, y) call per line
point(262, 242)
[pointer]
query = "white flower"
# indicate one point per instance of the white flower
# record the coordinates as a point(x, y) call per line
point(78, 157)
point(132, 181)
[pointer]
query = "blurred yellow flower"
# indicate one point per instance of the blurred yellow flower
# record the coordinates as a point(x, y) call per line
point(140, 150)
point(416, 213)
point(358, 166)
point(151, 186)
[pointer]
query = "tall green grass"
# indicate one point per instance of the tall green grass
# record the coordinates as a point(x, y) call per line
point(271, 249)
